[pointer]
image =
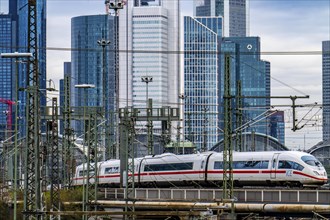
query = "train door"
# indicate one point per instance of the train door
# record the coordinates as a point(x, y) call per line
point(202, 168)
point(274, 166)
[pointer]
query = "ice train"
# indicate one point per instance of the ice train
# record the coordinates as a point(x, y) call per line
point(279, 168)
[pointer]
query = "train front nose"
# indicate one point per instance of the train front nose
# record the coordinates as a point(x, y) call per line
point(321, 175)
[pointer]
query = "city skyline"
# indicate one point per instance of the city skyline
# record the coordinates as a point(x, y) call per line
point(287, 33)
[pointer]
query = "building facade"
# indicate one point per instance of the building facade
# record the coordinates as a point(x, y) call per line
point(204, 83)
point(7, 74)
point(19, 10)
point(87, 63)
point(201, 77)
point(234, 12)
point(277, 126)
point(150, 35)
point(66, 73)
point(254, 76)
point(14, 38)
point(326, 89)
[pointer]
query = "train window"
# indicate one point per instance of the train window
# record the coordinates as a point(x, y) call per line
point(109, 170)
point(169, 166)
point(297, 166)
point(312, 161)
point(202, 164)
point(259, 164)
point(284, 164)
point(218, 165)
point(264, 164)
point(81, 173)
point(84, 173)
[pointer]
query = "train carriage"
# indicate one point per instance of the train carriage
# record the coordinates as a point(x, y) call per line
point(290, 168)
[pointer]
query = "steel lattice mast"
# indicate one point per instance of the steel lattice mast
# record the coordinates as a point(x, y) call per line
point(54, 160)
point(33, 204)
point(68, 134)
point(228, 150)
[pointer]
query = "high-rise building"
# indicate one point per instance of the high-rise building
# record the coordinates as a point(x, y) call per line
point(326, 89)
point(66, 72)
point(277, 126)
point(7, 72)
point(19, 10)
point(149, 34)
point(201, 79)
point(14, 38)
point(87, 62)
point(254, 74)
point(234, 12)
point(204, 70)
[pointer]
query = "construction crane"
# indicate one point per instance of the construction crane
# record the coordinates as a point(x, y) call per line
point(9, 111)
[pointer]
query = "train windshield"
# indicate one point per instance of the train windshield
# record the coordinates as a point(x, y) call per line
point(312, 161)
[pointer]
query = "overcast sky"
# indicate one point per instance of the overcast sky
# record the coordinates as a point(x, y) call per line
point(284, 26)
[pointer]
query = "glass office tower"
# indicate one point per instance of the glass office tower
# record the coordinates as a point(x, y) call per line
point(19, 10)
point(154, 38)
point(204, 70)
point(7, 74)
point(87, 62)
point(234, 13)
point(254, 75)
point(201, 80)
point(153, 41)
point(326, 89)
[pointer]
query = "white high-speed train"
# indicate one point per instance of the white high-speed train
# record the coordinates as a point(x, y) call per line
point(289, 168)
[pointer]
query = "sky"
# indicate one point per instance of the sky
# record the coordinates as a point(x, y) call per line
point(291, 33)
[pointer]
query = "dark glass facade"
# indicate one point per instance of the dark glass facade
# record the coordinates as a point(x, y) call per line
point(201, 38)
point(254, 74)
point(277, 126)
point(21, 11)
point(87, 62)
point(326, 89)
point(204, 55)
point(7, 72)
point(67, 72)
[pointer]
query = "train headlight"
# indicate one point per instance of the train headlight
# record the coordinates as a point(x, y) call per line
point(317, 173)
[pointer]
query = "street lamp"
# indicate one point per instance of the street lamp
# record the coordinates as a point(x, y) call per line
point(16, 56)
point(147, 80)
point(103, 43)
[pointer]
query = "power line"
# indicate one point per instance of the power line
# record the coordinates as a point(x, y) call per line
point(282, 53)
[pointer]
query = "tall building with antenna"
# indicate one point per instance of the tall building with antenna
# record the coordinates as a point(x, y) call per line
point(326, 89)
point(235, 14)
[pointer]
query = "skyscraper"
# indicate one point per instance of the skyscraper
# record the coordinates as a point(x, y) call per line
point(149, 32)
point(19, 10)
point(66, 72)
point(201, 79)
point(254, 74)
point(204, 70)
point(14, 38)
point(277, 126)
point(87, 62)
point(7, 70)
point(234, 12)
point(326, 89)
